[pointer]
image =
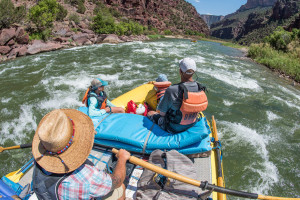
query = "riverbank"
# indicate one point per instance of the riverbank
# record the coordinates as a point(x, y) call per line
point(15, 42)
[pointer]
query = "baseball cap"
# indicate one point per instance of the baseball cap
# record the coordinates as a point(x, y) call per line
point(97, 82)
point(187, 64)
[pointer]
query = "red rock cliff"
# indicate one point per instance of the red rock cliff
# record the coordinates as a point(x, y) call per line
point(174, 15)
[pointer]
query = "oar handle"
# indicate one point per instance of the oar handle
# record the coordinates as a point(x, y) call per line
point(29, 145)
point(160, 170)
point(203, 185)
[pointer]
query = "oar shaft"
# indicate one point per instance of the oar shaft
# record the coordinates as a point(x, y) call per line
point(218, 156)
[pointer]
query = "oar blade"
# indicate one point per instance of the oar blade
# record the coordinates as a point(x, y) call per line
point(15, 176)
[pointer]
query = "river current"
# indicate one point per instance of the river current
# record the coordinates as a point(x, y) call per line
point(257, 113)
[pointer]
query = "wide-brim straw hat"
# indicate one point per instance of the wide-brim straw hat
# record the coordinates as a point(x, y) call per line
point(54, 133)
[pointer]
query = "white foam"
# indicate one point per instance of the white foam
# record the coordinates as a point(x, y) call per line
point(236, 79)
point(272, 116)
point(15, 130)
point(240, 134)
point(3, 100)
point(228, 103)
point(145, 50)
point(5, 111)
point(12, 68)
point(288, 103)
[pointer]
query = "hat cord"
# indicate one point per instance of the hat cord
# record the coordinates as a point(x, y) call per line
point(65, 148)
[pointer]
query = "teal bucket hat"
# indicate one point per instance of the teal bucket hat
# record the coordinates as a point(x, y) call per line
point(97, 82)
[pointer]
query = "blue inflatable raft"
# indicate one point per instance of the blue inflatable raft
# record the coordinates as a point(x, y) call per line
point(137, 133)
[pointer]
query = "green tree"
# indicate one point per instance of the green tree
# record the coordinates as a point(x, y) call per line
point(44, 14)
point(62, 13)
point(9, 14)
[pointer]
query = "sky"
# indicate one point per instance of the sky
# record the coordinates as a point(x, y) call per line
point(217, 7)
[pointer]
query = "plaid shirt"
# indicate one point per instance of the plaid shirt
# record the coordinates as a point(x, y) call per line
point(86, 182)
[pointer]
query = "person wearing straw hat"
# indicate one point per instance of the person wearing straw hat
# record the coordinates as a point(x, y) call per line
point(96, 100)
point(61, 145)
point(178, 110)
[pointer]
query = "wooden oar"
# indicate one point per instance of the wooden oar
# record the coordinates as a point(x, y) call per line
point(17, 175)
point(218, 156)
point(203, 184)
point(22, 146)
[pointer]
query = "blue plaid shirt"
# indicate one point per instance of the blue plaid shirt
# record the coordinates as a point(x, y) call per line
point(86, 182)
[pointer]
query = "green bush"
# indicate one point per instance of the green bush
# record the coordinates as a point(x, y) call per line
point(103, 24)
point(75, 18)
point(9, 14)
point(168, 32)
point(44, 14)
point(279, 39)
point(286, 62)
point(81, 8)
point(62, 13)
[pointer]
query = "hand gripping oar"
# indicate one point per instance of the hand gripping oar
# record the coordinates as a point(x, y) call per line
point(203, 184)
point(218, 156)
point(22, 146)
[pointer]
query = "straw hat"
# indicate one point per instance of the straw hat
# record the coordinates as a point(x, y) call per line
point(63, 140)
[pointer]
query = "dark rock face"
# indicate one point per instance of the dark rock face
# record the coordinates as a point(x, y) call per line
point(256, 3)
point(284, 9)
point(259, 20)
point(210, 19)
point(175, 15)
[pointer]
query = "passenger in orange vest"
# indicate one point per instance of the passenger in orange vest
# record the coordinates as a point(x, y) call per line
point(96, 100)
point(182, 102)
point(161, 84)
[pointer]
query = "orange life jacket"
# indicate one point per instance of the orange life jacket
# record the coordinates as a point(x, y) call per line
point(161, 88)
point(192, 104)
point(102, 100)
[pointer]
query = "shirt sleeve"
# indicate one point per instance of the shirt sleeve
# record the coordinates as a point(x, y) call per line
point(108, 103)
point(93, 110)
point(166, 102)
point(101, 184)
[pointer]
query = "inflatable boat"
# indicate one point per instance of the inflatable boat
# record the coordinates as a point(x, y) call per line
point(140, 136)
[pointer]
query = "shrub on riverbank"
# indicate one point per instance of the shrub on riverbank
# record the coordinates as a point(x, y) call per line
point(285, 62)
point(281, 51)
point(43, 15)
point(9, 14)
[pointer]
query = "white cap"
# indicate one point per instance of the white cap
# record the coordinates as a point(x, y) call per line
point(187, 64)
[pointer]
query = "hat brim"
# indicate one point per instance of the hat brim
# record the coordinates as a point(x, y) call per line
point(104, 83)
point(78, 151)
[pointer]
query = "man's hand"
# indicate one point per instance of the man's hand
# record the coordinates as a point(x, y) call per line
point(123, 155)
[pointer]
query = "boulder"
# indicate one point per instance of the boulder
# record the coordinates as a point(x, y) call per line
point(6, 35)
point(62, 32)
point(87, 31)
point(13, 53)
point(3, 58)
point(22, 51)
point(39, 46)
point(4, 49)
point(21, 36)
point(112, 38)
point(88, 42)
point(80, 38)
point(10, 42)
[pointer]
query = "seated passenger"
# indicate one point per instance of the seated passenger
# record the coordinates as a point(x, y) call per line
point(161, 84)
point(182, 102)
point(96, 99)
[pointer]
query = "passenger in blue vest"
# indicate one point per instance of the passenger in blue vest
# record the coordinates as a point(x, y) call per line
point(61, 145)
point(96, 100)
point(178, 110)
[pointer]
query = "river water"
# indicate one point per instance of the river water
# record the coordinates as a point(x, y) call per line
point(257, 113)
